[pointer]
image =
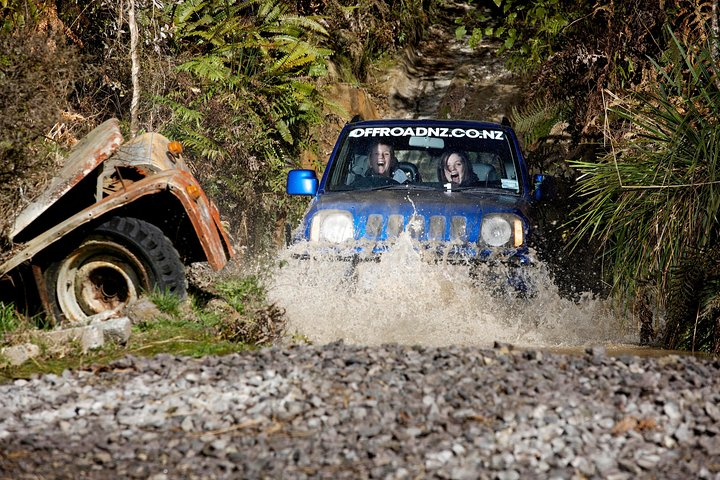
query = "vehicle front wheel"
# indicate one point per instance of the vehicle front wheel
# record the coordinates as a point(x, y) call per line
point(111, 268)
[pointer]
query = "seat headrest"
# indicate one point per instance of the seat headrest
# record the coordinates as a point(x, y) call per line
point(484, 171)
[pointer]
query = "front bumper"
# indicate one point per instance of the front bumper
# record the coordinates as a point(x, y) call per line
point(505, 271)
point(434, 252)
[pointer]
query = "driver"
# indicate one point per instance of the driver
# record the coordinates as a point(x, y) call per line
point(383, 163)
point(382, 160)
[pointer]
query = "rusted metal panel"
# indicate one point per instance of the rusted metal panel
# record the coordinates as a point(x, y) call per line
point(202, 213)
point(148, 150)
point(92, 150)
point(204, 216)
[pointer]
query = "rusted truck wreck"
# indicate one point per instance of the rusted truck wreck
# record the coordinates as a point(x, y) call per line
point(119, 219)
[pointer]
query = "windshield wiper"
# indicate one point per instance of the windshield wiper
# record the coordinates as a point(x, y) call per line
point(408, 186)
point(465, 189)
point(419, 186)
point(384, 187)
point(480, 186)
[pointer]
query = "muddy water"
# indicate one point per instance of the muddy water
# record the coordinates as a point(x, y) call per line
point(407, 300)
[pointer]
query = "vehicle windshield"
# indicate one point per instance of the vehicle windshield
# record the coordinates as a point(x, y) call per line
point(429, 156)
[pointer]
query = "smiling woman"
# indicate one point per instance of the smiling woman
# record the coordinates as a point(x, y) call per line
point(382, 159)
point(454, 167)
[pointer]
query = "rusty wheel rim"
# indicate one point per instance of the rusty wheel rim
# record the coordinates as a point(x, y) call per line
point(98, 277)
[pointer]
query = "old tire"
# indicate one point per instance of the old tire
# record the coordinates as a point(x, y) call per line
point(112, 267)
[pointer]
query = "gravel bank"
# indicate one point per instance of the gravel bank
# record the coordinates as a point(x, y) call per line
point(340, 411)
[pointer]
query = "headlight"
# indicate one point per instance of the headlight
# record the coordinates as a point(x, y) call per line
point(500, 230)
point(334, 226)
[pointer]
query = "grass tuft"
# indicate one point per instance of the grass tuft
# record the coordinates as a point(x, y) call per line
point(166, 302)
point(9, 320)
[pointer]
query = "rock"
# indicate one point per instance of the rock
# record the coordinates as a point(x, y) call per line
point(91, 338)
point(116, 330)
point(142, 311)
point(88, 338)
point(19, 354)
point(317, 412)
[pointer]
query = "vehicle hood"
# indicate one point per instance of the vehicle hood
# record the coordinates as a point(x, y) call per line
point(90, 152)
point(423, 202)
point(433, 214)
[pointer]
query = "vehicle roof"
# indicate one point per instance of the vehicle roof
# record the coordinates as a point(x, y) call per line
point(403, 122)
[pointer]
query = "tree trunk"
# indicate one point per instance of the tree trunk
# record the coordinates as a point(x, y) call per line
point(716, 335)
point(135, 72)
point(714, 40)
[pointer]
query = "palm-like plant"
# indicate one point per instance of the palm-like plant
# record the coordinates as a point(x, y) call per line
point(654, 199)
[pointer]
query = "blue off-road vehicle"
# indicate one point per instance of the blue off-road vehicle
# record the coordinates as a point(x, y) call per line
point(460, 190)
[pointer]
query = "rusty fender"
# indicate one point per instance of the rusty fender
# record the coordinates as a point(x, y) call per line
point(202, 212)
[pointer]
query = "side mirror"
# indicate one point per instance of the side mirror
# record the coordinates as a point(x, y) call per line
point(544, 187)
point(302, 182)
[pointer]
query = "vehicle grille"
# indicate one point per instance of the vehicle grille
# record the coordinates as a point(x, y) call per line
point(433, 229)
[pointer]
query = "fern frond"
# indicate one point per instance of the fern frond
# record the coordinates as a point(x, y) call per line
point(185, 10)
point(535, 121)
point(209, 67)
point(200, 144)
point(270, 11)
point(292, 61)
point(295, 25)
point(284, 131)
point(182, 112)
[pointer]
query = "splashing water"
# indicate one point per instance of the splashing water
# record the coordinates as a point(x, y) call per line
point(404, 299)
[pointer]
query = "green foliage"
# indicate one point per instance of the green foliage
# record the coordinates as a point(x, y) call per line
point(253, 55)
point(239, 312)
point(365, 30)
point(166, 302)
point(529, 31)
point(693, 306)
point(534, 121)
point(18, 14)
point(239, 292)
point(231, 316)
point(9, 320)
point(236, 81)
point(571, 50)
point(414, 17)
point(264, 327)
point(245, 99)
point(654, 199)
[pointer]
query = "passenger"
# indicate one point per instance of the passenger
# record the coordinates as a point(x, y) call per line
point(454, 167)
